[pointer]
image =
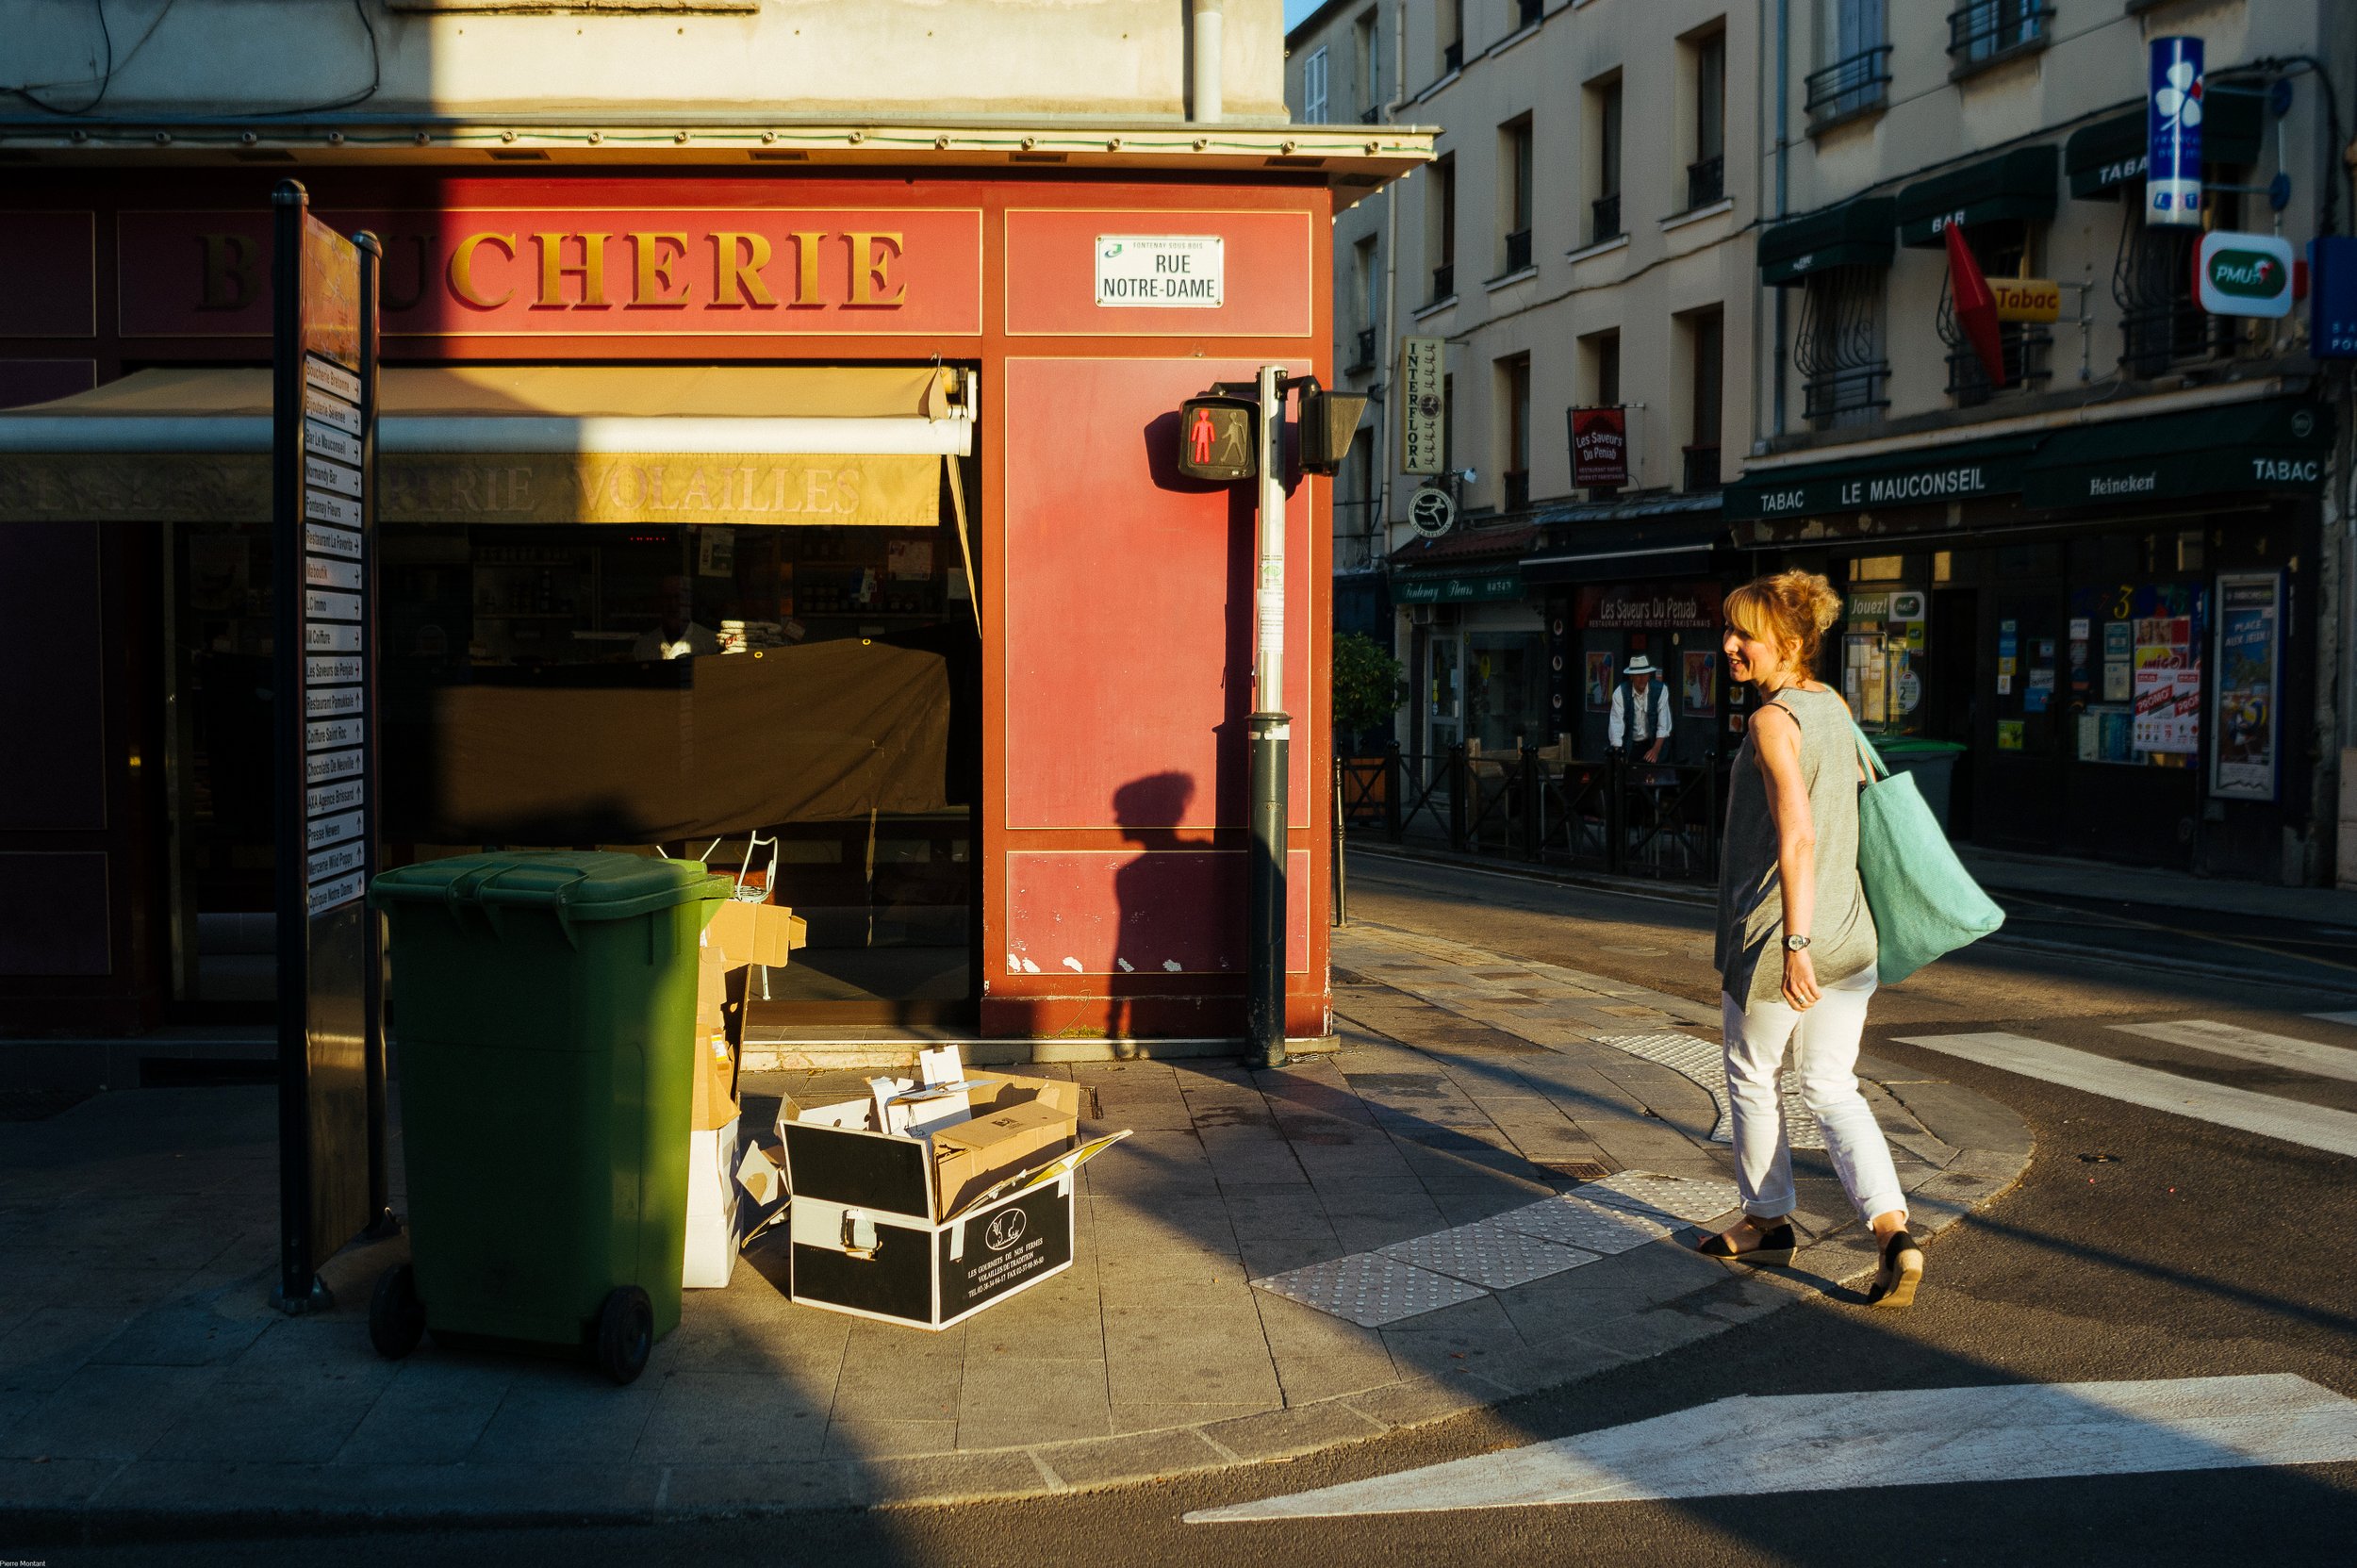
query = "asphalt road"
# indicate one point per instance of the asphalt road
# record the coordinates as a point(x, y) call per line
point(2139, 1246)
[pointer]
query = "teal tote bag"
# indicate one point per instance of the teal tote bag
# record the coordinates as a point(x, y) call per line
point(1924, 902)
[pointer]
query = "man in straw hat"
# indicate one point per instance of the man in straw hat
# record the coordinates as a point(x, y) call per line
point(1640, 710)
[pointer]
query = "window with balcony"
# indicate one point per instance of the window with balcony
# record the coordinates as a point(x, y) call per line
point(1838, 348)
point(1857, 75)
point(1440, 228)
point(1513, 385)
point(1365, 283)
point(1603, 208)
point(1706, 381)
point(1527, 14)
point(2162, 324)
point(1707, 175)
point(1514, 189)
point(1990, 30)
point(2003, 250)
point(1367, 61)
point(1313, 88)
point(1449, 21)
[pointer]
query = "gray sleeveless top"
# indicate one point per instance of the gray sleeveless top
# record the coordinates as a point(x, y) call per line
point(1750, 956)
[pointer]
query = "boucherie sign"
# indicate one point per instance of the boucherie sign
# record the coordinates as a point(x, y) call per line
point(605, 271)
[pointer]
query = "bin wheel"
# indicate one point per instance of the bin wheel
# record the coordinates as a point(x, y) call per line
point(396, 1316)
point(625, 1334)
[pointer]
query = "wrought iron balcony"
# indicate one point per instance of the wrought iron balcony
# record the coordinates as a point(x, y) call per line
point(1527, 12)
point(2026, 347)
point(1845, 395)
point(1364, 357)
point(1517, 250)
point(1705, 180)
point(1849, 86)
point(1604, 219)
point(1452, 57)
point(1990, 29)
point(1517, 489)
point(1443, 282)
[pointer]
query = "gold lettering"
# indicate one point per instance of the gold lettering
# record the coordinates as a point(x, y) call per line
point(228, 271)
point(846, 490)
point(655, 268)
point(737, 260)
point(553, 267)
point(777, 489)
point(520, 489)
point(698, 492)
point(806, 267)
point(462, 494)
point(462, 268)
point(867, 269)
point(815, 496)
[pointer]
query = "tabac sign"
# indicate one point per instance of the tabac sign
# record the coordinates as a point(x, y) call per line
point(603, 272)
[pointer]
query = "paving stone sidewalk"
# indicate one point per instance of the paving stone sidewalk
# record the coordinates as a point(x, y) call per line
point(144, 1379)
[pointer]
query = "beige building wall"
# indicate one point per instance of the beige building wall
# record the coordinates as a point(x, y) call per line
point(865, 60)
point(1674, 259)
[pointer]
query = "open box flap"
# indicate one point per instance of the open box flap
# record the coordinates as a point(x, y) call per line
point(1062, 1165)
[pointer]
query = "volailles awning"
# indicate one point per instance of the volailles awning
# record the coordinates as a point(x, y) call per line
point(746, 445)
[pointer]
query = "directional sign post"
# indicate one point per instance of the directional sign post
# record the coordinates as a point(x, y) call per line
point(331, 1043)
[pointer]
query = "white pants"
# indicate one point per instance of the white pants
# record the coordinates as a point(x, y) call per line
point(1824, 1042)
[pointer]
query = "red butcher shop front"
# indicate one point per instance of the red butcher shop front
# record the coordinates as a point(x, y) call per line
point(819, 522)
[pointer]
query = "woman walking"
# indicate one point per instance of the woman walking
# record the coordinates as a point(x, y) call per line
point(1796, 942)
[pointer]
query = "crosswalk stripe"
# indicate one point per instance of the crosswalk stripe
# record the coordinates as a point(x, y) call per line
point(1746, 1446)
point(2251, 1045)
point(2291, 1120)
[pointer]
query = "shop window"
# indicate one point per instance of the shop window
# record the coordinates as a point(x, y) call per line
point(1506, 690)
point(1878, 569)
point(1944, 566)
point(1883, 649)
point(2002, 249)
point(1838, 348)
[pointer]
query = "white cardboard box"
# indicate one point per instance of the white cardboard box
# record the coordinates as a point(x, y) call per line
point(713, 1229)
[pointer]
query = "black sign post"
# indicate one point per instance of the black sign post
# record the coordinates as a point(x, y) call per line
point(331, 1042)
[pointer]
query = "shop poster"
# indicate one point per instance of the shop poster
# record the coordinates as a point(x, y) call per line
point(1700, 685)
point(1599, 683)
point(2249, 640)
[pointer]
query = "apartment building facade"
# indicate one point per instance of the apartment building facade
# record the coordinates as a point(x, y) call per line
point(2112, 575)
point(1582, 241)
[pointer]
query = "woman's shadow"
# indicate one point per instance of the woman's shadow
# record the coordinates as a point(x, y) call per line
point(1149, 812)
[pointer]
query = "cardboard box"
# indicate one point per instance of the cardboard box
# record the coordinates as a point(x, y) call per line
point(714, 1214)
point(1061, 1093)
point(755, 933)
point(972, 1156)
point(712, 1092)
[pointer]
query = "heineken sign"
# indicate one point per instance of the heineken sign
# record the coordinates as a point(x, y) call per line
point(2244, 274)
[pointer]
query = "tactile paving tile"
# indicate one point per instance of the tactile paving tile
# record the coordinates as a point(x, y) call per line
point(1575, 1221)
point(1369, 1289)
point(1705, 1064)
point(1649, 1193)
point(1489, 1253)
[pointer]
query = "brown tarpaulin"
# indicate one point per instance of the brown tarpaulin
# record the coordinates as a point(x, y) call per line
point(691, 749)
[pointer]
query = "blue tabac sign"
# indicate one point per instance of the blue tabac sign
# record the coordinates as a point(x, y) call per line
point(2172, 183)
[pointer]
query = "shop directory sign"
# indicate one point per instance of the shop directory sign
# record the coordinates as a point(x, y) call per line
point(330, 1015)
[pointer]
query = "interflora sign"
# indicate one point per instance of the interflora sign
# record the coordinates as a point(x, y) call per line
point(603, 272)
point(1423, 409)
point(2244, 274)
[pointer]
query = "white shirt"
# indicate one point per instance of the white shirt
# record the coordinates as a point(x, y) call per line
point(695, 642)
point(1652, 716)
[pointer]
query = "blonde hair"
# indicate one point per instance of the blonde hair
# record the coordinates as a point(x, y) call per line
point(1790, 610)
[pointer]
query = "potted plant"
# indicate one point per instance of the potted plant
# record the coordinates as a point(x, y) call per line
point(1368, 685)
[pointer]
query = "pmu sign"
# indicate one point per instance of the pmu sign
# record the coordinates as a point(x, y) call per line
point(2172, 146)
point(2244, 274)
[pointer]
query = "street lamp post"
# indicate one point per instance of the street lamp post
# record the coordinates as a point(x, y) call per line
point(1272, 732)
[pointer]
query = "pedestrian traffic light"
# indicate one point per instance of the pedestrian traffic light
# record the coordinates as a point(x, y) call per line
point(1216, 441)
point(1328, 421)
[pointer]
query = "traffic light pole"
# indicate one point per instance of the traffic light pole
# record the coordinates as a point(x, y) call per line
point(1272, 731)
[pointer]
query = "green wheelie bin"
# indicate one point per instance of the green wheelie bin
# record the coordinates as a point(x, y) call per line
point(543, 1011)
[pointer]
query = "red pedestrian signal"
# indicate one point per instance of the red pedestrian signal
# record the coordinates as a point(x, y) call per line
point(1216, 439)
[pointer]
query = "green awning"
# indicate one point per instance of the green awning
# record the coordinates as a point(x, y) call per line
point(2109, 154)
point(2015, 185)
point(1854, 233)
point(1459, 587)
point(1918, 476)
point(2279, 446)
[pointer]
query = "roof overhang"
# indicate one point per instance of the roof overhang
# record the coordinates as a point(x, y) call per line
point(1352, 161)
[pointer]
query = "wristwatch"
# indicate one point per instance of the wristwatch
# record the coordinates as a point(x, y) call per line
point(1796, 944)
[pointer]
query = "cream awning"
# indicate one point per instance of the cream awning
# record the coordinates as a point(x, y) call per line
point(532, 444)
